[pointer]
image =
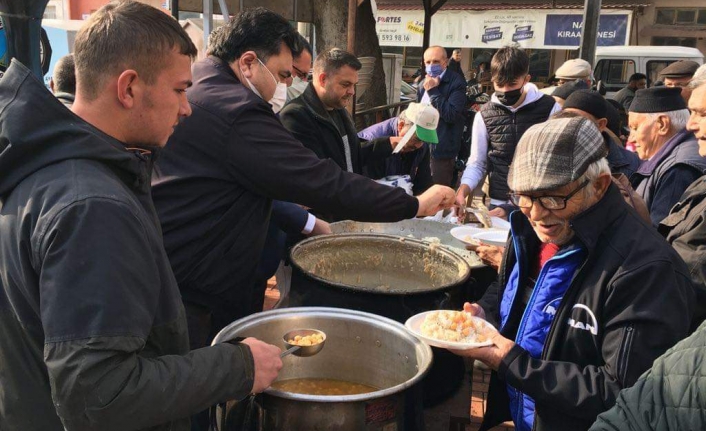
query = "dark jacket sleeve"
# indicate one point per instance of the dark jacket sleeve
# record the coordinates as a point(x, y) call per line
point(279, 166)
point(669, 189)
point(489, 303)
point(100, 289)
point(422, 179)
point(646, 311)
point(289, 217)
point(373, 150)
point(451, 105)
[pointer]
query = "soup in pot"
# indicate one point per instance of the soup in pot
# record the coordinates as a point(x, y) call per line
point(314, 386)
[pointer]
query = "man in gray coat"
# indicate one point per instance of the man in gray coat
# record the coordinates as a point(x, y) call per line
point(94, 335)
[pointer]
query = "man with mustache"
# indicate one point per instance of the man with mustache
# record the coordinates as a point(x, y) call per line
point(588, 294)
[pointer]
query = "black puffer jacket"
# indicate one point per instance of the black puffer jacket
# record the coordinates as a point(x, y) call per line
point(92, 329)
point(632, 288)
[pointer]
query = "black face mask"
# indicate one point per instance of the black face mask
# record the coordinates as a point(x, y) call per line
point(509, 98)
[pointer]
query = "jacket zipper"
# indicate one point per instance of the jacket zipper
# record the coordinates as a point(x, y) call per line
point(554, 324)
point(625, 346)
point(523, 321)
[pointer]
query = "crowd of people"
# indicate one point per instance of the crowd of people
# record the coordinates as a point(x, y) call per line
point(144, 205)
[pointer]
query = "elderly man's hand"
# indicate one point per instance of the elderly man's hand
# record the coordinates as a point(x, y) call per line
point(430, 83)
point(491, 255)
point(498, 212)
point(491, 356)
point(267, 363)
point(433, 200)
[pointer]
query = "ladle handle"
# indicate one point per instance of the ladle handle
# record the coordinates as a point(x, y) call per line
point(289, 351)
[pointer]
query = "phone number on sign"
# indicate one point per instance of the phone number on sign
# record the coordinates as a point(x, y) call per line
point(394, 38)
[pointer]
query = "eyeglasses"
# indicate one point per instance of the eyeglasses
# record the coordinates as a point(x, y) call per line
point(300, 74)
point(548, 202)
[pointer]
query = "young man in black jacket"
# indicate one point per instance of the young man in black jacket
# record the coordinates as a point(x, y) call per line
point(93, 329)
point(589, 294)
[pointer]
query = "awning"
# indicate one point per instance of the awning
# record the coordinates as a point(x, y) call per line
point(382, 5)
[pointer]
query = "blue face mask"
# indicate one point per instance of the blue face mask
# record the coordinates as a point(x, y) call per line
point(434, 70)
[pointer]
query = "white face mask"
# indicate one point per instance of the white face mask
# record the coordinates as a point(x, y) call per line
point(279, 98)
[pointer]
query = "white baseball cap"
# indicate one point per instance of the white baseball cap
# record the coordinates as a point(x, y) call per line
point(426, 120)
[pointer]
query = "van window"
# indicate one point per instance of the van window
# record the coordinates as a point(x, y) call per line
point(654, 67)
point(615, 73)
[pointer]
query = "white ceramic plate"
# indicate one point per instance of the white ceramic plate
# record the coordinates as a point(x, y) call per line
point(492, 237)
point(465, 234)
point(414, 323)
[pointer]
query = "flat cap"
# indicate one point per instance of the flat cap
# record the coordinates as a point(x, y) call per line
point(554, 153)
point(574, 69)
point(680, 69)
point(565, 90)
point(657, 99)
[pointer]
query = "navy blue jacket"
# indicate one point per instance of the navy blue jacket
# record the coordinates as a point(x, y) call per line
point(214, 181)
point(449, 98)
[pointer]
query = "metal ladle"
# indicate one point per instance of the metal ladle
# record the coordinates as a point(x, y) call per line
point(302, 351)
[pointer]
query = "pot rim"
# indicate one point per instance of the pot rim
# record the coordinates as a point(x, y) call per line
point(457, 258)
point(424, 352)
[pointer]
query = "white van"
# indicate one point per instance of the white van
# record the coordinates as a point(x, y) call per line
point(615, 64)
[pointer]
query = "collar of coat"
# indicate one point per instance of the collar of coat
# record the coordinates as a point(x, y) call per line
point(588, 226)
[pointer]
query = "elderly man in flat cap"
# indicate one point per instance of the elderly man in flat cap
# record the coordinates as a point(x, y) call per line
point(572, 70)
point(588, 294)
point(678, 75)
point(669, 153)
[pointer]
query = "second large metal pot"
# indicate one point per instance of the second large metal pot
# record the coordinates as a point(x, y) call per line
point(361, 348)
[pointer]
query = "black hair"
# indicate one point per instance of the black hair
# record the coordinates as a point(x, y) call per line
point(258, 30)
point(637, 76)
point(508, 65)
point(332, 60)
point(64, 75)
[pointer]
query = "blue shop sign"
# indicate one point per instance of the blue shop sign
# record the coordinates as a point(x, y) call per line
point(565, 30)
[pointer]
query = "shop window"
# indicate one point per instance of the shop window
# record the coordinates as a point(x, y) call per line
point(540, 60)
point(681, 16)
point(674, 41)
point(50, 12)
point(413, 56)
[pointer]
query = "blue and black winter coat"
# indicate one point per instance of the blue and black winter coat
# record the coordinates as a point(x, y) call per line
point(602, 310)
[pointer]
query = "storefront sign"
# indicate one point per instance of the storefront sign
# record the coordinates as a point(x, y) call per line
point(565, 30)
point(534, 28)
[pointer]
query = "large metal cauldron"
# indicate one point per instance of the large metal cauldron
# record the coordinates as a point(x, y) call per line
point(392, 276)
point(361, 348)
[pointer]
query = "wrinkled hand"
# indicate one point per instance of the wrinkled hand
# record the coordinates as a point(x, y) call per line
point(461, 198)
point(498, 212)
point(321, 227)
point(491, 255)
point(430, 83)
point(267, 363)
point(491, 356)
point(433, 200)
point(474, 309)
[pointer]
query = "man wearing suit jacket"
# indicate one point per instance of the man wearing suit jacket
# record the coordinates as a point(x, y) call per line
point(447, 93)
